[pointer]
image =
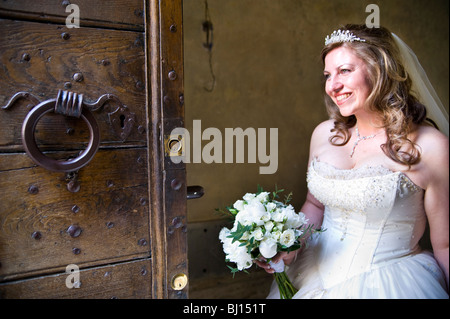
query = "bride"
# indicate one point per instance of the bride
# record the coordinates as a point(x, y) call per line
point(378, 173)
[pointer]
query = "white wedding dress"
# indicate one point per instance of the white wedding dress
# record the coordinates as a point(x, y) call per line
point(374, 219)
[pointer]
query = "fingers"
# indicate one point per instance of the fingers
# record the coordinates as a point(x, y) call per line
point(265, 266)
point(278, 257)
point(290, 257)
point(287, 257)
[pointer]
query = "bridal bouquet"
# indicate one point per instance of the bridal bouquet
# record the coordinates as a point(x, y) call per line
point(262, 227)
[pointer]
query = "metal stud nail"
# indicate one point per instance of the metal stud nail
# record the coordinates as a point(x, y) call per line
point(73, 186)
point(139, 85)
point(33, 190)
point(177, 222)
point(65, 36)
point(26, 57)
point(75, 209)
point(176, 184)
point(109, 183)
point(36, 235)
point(74, 231)
point(172, 75)
point(76, 251)
point(78, 77)
point(166, 99)
point(139, 13)
point(143, 201)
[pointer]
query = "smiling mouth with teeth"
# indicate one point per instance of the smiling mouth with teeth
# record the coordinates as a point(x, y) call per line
point(342, 97)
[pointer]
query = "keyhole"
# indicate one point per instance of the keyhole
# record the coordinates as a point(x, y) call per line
point(122, 121)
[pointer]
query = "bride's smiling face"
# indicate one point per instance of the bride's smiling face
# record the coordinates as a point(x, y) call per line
point(347, 81)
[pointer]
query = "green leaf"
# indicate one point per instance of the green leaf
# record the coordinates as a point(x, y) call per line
point(290, 248)
point(225, 213)
point(240, 230)
point(235, 270)
point(259, 190)
point(276, 192)
point(287, 198)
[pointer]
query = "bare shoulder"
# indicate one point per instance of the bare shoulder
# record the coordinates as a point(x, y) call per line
point(323, 129)
point(433, 143)
point(320, 137)
point(434, 148)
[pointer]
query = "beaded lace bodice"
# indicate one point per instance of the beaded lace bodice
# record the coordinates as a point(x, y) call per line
point(372, 216)
point(356, 189)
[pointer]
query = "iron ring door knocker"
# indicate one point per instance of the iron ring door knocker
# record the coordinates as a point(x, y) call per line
point(68, 104)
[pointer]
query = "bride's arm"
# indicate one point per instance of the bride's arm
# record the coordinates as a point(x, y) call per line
point(313, 211)
point(436, 160)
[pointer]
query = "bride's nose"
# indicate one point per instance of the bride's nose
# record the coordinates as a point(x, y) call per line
point(334, 85)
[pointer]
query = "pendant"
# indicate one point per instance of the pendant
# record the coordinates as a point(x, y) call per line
point(360, 138)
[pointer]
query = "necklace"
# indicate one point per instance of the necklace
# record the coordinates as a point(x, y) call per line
point(360, 138)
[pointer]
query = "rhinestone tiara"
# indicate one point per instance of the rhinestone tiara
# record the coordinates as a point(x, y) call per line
point(342, 36)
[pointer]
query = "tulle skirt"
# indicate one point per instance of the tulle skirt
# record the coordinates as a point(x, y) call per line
point(416, 276)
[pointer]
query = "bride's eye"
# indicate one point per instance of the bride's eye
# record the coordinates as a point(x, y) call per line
point(345, 71)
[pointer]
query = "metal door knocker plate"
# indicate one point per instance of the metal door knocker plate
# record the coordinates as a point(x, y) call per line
point(68, 104)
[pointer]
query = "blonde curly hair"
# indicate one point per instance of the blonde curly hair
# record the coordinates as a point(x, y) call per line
point(391, 96)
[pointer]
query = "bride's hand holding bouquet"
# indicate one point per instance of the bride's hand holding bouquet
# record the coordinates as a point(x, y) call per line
point(264, 229)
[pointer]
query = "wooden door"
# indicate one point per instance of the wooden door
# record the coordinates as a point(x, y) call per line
point(115, 227)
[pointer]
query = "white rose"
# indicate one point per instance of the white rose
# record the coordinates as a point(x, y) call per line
point(278, 215)
point(268, 226)
point(249, 196)
point(298, 232)
point(294, 220)
point(244, 217)
point(228, 246)
point(263, 197)
point(256, 212)
point(235, 253)
point(268, 247)
point(239, 205)
point(303, 218)
point(240, 256)
point(287, 238)
point(266, 217)
point(224, 232)
point(275, 235)
point(245, 236)
point(258, 233)
point(271, 206)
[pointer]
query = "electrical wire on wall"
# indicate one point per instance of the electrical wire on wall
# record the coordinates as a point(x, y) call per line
point(208, 44)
